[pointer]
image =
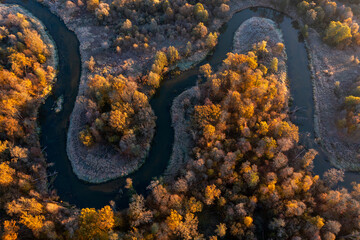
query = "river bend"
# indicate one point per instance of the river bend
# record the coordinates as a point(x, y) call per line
point(54, 126)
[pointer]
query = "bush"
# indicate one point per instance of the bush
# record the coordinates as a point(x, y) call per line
point(86, 138)
point(352, 101)
point(337, 33)
point(211, 40)
point(200, 31)
point(92, 5)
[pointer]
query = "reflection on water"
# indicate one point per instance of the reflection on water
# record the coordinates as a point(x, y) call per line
point(54, 126)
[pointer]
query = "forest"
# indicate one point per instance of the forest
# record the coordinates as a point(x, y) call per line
point(248, 176)
point(26, 77)
point(246, 164)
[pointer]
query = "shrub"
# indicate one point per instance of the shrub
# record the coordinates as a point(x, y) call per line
point(86, 138)
point(337, 33)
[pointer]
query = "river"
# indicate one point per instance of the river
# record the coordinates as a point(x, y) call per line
point(54, 126)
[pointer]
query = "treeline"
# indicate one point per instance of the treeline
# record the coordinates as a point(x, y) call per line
point(28, 211)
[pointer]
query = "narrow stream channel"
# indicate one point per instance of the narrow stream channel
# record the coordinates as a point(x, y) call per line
point(54, 125)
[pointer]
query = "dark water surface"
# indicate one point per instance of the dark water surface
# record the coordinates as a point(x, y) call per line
point(54, 126)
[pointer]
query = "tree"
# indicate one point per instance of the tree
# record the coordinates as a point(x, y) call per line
point(308, 158)
point(35, 223)
point(211, 192)
point(223, 10)
point(279, 48)
point(221, 230)
point(274, 64)
point(207, 114)
point(6, 174)
point(33, 41)
point(160, 62)
point(102, 11)
point(19, 63)
point(200, 13)
point(127, 25)
point(23, 205)
point(295, 208)
point(206, 70)
point(330, 9)
point(118, 120)
point(174, 220)
point(10, 230)
point(86, 137)
point(92, 5)
point(248, 221)
point(211, 40)
point(333, 176)
point(95, 224)
point(337, 33)
point(209, 131)
point(172, 55)
point(351, 102)
point(303, 7)
point(194, 205)
point(261, 48)
point(200, 30)
point(311, 16)
point(137, 212)
point(188, 49)
point(91, 64)
point(153, 79)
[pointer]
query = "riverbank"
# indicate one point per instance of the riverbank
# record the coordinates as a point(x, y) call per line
point(329, 67)
point(250, 32)
point(180, 116)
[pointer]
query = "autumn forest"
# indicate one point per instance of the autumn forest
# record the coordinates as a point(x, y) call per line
point(228, 137)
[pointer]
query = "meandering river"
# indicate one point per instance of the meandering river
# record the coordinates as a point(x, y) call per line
point(54, 125)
